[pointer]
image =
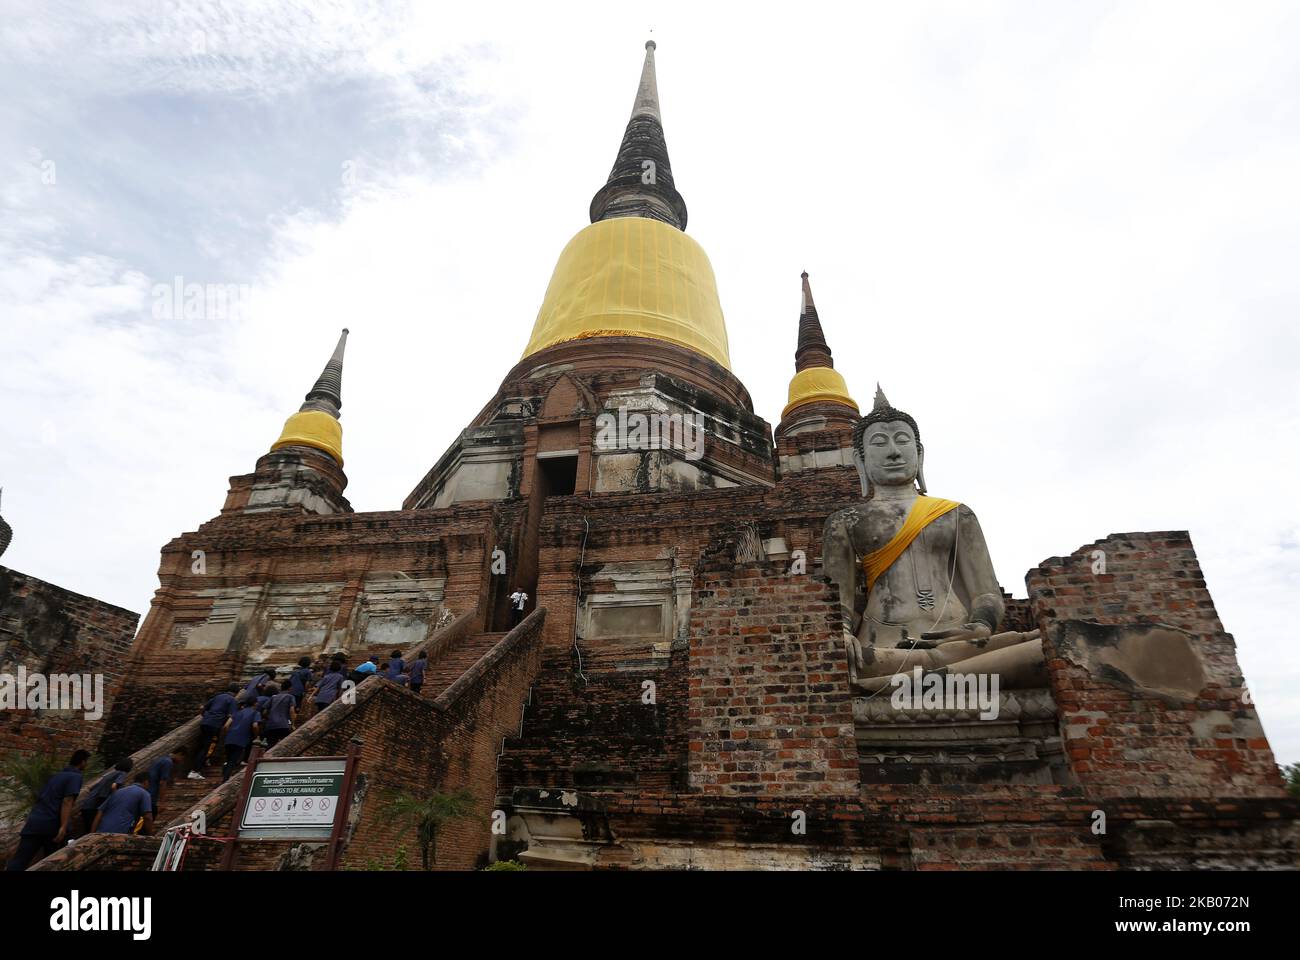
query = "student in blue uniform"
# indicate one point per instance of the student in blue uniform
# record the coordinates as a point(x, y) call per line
point(280, 714)
point(162, 773)
point(417, 670)
point(254, 688)
point(240, 731)
point(329, 687)
point(214, 716)
point(127, 805)
point(104, 788)
point(396, 665)
point(47, 825)
point(300, 681)
point(263, 704)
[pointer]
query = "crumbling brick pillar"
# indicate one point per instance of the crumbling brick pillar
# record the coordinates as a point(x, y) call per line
point(1151, 697)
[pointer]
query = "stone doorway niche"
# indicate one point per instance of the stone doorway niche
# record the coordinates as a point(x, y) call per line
point(557, 473)
point(631, 613)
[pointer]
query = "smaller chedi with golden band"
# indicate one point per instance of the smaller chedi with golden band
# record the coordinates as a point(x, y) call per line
point(816, 381)
point(316, 424)
point(651, 622)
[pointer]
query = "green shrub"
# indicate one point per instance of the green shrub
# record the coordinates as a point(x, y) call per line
point(23, 775)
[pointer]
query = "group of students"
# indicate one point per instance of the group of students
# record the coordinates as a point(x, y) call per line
point(113, 806)
point(269, 710)
point(263, 709)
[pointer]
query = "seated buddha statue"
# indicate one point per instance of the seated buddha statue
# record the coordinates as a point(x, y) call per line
point(918, 569)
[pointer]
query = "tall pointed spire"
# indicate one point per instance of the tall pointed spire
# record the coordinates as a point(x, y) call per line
point(647, 92)
point(641, 181)
point(326, 395)
point(812, 351)
point(316, 424)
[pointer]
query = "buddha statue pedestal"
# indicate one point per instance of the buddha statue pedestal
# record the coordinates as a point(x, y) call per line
point(915, 745)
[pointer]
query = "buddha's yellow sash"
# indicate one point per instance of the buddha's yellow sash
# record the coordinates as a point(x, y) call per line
point(924, 512)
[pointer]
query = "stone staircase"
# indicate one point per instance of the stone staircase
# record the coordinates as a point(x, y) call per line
point(452, 653)
point(447, 668)
point(178, 800)
point(596, 734)
point(406, 744)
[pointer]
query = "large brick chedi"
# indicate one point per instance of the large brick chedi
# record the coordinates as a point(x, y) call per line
point(682, 691)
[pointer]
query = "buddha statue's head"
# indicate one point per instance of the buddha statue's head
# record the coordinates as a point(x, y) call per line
point(887, 448)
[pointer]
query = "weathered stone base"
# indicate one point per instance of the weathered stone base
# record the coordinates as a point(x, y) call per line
point(1022, 744)
point(906, 828)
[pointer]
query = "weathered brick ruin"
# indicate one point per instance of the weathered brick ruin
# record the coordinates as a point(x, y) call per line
point(51, 632)
point(678, 695)
point(48, 630)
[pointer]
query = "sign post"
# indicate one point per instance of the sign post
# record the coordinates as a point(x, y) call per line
point(295, 798)
point(341, 821)
point(228, 854)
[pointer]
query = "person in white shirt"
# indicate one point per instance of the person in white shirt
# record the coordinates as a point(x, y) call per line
point(517, 601)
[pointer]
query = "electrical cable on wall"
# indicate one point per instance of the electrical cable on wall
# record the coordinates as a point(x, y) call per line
point(582, 555)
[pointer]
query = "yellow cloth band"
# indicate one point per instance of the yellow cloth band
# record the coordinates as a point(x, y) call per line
point(313, 428)
point(924, 512)
point(817, 383)
point(633, 277)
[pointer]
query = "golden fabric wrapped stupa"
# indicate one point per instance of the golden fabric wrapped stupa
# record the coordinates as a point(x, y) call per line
point(634, 272)
point(633, 277)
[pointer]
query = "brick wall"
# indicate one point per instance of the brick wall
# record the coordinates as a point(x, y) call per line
point(770, 707)
point(161, 691)
point(1126, 738)
point(596, 729)
point(165, 685)
point(251, 552)
point(49, 630)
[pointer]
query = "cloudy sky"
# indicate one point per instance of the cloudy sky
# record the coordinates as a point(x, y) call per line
point(1064, 236)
